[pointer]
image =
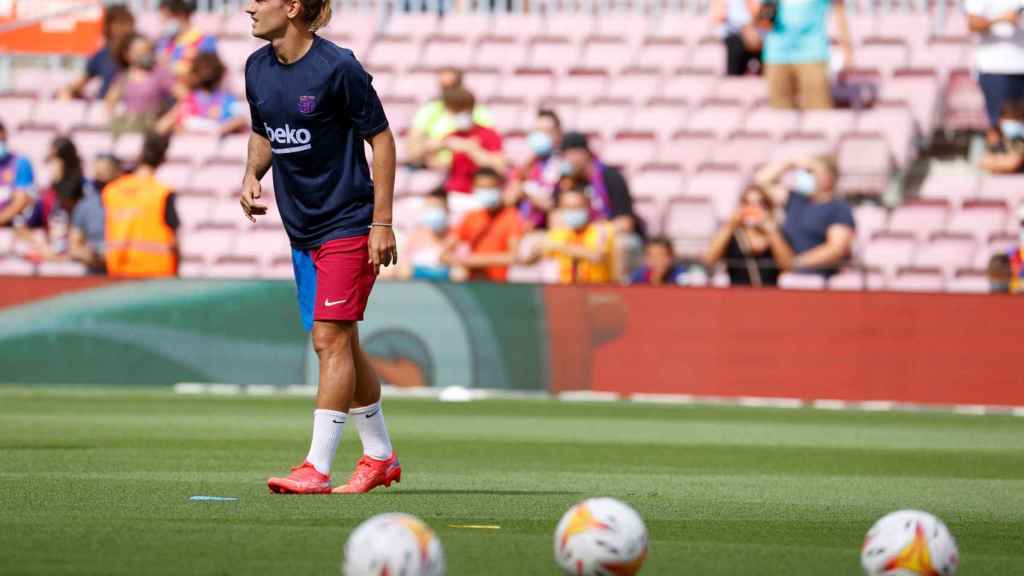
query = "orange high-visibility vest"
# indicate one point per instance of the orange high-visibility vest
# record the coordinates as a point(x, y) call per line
point(139, 241)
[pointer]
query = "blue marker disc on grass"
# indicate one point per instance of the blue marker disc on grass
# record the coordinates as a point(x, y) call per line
point(213, 498)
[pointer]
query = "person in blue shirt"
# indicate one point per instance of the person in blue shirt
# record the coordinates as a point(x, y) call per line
point(819, 227)
point(17, 184)
point(118, 28)
point(796, 52)
point(313, 108)
point(660, 265)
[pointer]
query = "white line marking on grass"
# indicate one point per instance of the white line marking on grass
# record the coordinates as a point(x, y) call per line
point(476, 526)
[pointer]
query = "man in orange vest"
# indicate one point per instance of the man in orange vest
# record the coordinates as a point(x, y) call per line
point(141, 221)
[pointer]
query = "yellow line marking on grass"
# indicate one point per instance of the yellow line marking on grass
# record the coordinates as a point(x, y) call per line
point(475, 526)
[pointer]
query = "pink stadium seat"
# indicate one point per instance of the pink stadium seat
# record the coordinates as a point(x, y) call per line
point(708, 55)
point(719, 117)
point(234, 52)
point(946, 250)
point(400, 112)
point(964, 103)
point(870, 218)
point(864, 164)
point(280, 268)
point(224, 180)
point(610, 52)
point(693, 25)
point(664, 117)
point(233, 148)
point(193, 210)
point(573, 27)
point(884, 53)
point(856, 279)
point(208, 242)
point(195, 148)
point(585, 82)
point(518, 26)
point(691, 86)
point(1008, 188)
point(954, 187)
point(631, 149)
point(231, 266)
point(177, 175)
point(555, 52)
point(210, 22)
point(747, 89)
point(690, 222)
point(969, 281)
point(509, 113)
point(484, 83)
point(914, 279)
point(446, 51)
point(998, 243)
point(418, 85)
point(650, 211)
point(191, 266)
point(777, 123)
point(34, 143)
point(468, 24)
point(96, 117)
point(407, 212)
point(393, 51)
point(802, 144)
point(798, 281)
point(422, 182)
point(16, 110)
point(532, 84)
point(833, 123)
point(666, 54)
point(659, 182)
point(943, 54)
point(517, 148)
point(61, 268)
point(60, 114)
point(981, 218)
point(15, 266)
point(263, 244)
point(688, 148)
point(890, 250)
point(603, 116)
point(6, 241)
point(896, 123)
point(636, 84)
point(228, 212)
point(127, 147)
point(91, 143)
point(747, 149)
point(920, 90)
point(721, 186)
point(920, 217)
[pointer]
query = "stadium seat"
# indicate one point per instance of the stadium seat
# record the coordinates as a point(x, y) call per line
point(636, 84)
point(127, 147)
point(91, 143)
point(746, 149)
point(896, 124)
point(890, 251)
point(34, 143)
point(920, 90)
point(864, 164)
point(178, 175)
point(719, 184)
point(689, 148)
point(952, 186)
point(602, 116)
point(234, 53)
point(224, 180)
point(194, 210)
point(442, 51)
point(483, 81)
point(857, 279)
point(948, 251)
point(193, 148)
point(504, 52)
point(263, 244)
point(531, 84)
point(690, 222)
point(777, 123)
point(802, 144)
point(708, 55)
point(798, 281)
point(980, 218)
point(279, 268)
point(920, 217)
point(419, 85)
point(997, 243)
point(664, 117)
point(969, 281)
point(393, 52)
point(943, 54)
point(472, 26)
point(870, 218)
point(694, 87)
point(208, 242)
point(721, 117)
point(6, 241)
point(1008, 188)
point(747, 89)
point(650, 210)
point(658, 182)
point(16, 110)
point(65, 268)
point(914, 279)
point(631, 149)
point(16, 266)
point(231, 266)
point(591, 82)
point(964, 103)
point(666, 54)
point(517, 147)
point(611, 52)
point(400, 112)
point(833, 123)
point(61, 115)
point(233, 148)
point(556, 52)
point(885, 53)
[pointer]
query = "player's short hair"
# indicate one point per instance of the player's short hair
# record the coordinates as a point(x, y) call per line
point(179, 7)
point(549, 113)
point(208, 69)
point(665, 242)
point(154, 150)
point(488, 172)
point(458, 99)
point(316, 13)
point(116, 13)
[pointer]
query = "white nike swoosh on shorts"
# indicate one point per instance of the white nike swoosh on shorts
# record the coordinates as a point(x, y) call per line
point(328, 303)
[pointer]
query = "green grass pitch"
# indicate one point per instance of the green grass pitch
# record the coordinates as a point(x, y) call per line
point(98, 482)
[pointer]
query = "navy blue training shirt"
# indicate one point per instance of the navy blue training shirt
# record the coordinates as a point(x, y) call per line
point(316, 112)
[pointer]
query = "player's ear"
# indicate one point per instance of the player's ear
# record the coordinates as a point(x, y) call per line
point(294, 9)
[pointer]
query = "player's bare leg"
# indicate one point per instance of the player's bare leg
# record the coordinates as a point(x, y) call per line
point(379, 464)
point(333, 343)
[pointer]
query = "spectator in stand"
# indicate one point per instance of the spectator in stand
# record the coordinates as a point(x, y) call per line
point(660, 265)
point(141, 93)
point(751, 243)
point(1000, 274)
point(52, 212)
point(486, 242)
point(179, 41)
point(86, 240)
point(1008, 156)
point(534, 183)
point(118, 27)
point(141, 221)
point(1016, 257)
point(999, 56)
point(743, 40)
point(433, 122)
point(17, 184)
point(472, 146)
point(609, 197)
point(796, 52)
point(583, 245)
point(208, 108)
point(425, 246)
point(819, 227)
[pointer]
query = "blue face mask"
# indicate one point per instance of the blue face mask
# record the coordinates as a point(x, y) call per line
point(804, 182)
point(3, 149)
point(575, 218)
point(487, 197)
point(1012, 129)
point(540, 143)
point(567, 168)
point(434, 219)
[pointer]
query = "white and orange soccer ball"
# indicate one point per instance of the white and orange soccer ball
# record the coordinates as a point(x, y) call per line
point(393, 545)
point(601, 537)
point(909, 543)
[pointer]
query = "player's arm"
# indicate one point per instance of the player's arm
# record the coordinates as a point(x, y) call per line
point(256, 166)
point(383, 250)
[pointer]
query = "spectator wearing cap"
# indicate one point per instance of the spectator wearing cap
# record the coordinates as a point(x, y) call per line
point(86, 241)
point(604, 185)
point(433, 121)
point(207, 108)
point(582, 243)
point(141, 92)
point(743, 40)
point(52, 212)
point(819, 227)
point(471, 145)
point(796, 52)
point(179, 41)
point(1007, 157)
point(17, 184)
point(660, 265)
point(751, 243)
point(486, 242)
point(534, 182)
point(104, 64)
point(998, 55)
point(141, 221)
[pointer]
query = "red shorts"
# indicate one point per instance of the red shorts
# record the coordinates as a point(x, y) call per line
point(344, 279)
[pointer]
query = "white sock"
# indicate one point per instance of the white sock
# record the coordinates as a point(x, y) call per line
point(372, 431)
point(327, 425)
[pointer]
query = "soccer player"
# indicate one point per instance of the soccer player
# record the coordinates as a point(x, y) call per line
point(312, 107)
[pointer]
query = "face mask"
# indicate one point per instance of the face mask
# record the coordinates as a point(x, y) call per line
point(540, 143)
point(146, 62)
point(3, 149)
point(170, 28)
point(575, 218)
point(462, 121)
point(487, 197)
point(803, 182)
point(1022, 235)
point(434, 219)
point(1012, 129)
point(567, 168)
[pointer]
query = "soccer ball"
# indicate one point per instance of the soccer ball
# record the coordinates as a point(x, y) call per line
point(393, 545)
point(909, 543)
point(601, 537)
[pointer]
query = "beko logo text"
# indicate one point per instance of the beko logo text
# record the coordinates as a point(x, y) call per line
point(298, 139)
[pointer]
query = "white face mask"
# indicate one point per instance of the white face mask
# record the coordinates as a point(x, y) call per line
point(488, 198)
point(804, 182)
point(575, 218)
point(170, 28)
point(462, 121)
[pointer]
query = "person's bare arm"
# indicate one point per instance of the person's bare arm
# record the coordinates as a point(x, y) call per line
point(256, 166)
point(74, 89)
point(484, 158)
point(169, 121)
point(1006, 163)
point(769, 177)
point(78, 248)
point(782, 252)
point(114, 95)
point(19, 201)
point(838, 242)
point(720, 242)
point(843, 28)
point(383, 251)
